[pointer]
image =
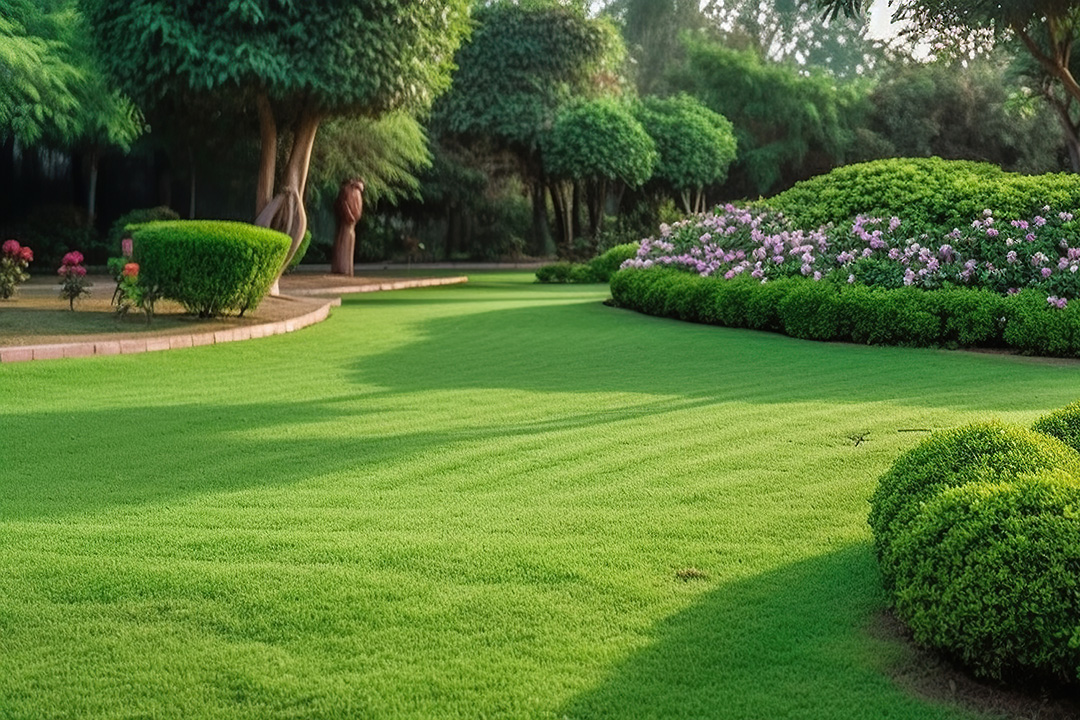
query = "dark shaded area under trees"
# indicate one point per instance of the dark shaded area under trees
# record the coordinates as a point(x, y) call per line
point(487, 173)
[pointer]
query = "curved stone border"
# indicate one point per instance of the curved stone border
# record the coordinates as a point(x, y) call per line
point(125, 346)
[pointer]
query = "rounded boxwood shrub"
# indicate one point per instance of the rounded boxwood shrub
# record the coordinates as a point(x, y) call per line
point(977, 532)
point(989, 572)
point(210, 267)
point(607, 263)
point(979, 452)
point(1064, 424)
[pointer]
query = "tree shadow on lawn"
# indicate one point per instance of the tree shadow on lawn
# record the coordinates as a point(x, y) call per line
point(82, 461)
point(588, 347)
point(797, 642)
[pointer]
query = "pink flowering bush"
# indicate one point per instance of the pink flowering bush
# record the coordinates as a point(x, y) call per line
point(73, 283)
point(1042, 252)
point(14, 259)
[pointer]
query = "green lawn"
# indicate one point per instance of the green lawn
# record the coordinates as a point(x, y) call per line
point(468, 502)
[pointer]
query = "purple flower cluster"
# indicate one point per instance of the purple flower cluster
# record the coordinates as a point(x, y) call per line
point(1042, 252)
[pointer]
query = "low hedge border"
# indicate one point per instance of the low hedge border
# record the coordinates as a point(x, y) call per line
point(598, 270)
point(950, 317)
point(977, 532)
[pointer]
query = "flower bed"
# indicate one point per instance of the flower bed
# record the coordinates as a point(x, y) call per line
point(989, 284)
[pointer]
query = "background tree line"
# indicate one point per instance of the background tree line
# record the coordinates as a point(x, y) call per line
point(560, 126)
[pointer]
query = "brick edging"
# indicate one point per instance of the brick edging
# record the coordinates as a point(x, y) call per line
point(128, 346)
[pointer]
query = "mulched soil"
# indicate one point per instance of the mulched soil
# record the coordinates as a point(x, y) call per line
point(927, 674)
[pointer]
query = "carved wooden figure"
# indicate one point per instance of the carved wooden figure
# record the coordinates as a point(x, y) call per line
point(348, 207)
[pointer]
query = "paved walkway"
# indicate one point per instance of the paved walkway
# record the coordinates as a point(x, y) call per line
point(297, 285)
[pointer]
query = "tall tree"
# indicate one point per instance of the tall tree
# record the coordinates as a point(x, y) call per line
point(521, 65)
point(695, 146)
point(651, 30)
point(57, 95)
point(292, 65)
point(1046, 28)
point(595, 144)
point(789, 124)
point(793, 31)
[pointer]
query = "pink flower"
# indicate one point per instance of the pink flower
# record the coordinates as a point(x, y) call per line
point(26, 254)
point(11, 247)
point(130, 270)
point(127, 247)
point(79, 270)
point(1046, 272)
point(72, 258)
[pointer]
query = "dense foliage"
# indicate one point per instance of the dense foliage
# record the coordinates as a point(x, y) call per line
point(598, 270)
point(930, 194)
point(694, 145)
point(979, 547)
point(291, 66)
point(789, 123)
point(948, 317)
point(986, 253)
point(210, 267)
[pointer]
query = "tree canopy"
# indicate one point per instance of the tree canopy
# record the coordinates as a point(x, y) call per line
point(291, 64)
point(789, 124)
point(695, 146)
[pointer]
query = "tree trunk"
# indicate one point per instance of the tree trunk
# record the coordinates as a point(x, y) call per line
point(91, 196)
point(1069, 129)
point(562, 200)
point(191, 190)
point(539, 217)
point(285, 211)
point(268, 146)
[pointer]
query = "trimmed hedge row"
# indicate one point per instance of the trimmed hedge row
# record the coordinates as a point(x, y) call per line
point(977, 532)
point(930, 194)
point(948, 317)
point(598, 270)
point(210, 267)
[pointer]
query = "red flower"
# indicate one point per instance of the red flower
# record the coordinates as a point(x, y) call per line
point(130, 270)
point(26, 253)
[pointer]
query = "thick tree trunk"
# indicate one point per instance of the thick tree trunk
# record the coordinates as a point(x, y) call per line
point(264, 189)
point(285, 211)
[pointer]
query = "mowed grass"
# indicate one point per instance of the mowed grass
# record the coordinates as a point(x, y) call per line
point(476, 501)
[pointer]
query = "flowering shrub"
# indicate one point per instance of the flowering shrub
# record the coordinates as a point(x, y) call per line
point(73, 283)
point(1043, 252)
point(132, 294)
point(13, 261)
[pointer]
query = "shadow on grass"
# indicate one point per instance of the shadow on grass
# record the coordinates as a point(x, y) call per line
point(587, 347)
point(791, 643)
point(152, 454)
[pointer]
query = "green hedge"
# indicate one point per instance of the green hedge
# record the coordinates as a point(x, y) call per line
point(127, 223)
point(949, 317)
point(930, 194)
point(210, 267)
point(598, 270)
point(977, 532)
